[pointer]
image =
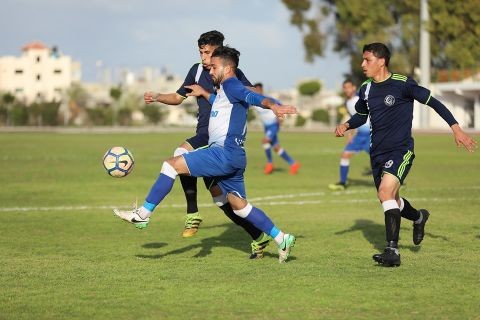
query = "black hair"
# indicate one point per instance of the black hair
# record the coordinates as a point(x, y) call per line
point(258, 84)
point(379, 50)
point(213, 38)
point(348, 80)
point(228, 55)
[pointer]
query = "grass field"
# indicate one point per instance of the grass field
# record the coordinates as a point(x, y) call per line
point(64, 256)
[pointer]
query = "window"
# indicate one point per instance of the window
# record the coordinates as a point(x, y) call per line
point(38, 59)
point(57, 71)
point(18, 71)
point(18, 90)
point(39, 77)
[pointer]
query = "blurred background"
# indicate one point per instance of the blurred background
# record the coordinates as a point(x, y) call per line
point(87, 63)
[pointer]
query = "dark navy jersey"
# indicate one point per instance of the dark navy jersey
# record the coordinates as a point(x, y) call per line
point(206, 82)
point(390, 106)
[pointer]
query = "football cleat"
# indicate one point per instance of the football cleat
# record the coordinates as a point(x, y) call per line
point(389, 257)
point(268, 168)
point(131, 216)
point(192, 222)
point(285, 247)
point(337, 186)
point(259, 245)
point(294, 168)
point(419, 228)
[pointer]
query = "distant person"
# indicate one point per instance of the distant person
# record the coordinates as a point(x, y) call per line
point(387, 98)
point(199, 74)
point(225, 157)
point(271, 126)
point(360, 141)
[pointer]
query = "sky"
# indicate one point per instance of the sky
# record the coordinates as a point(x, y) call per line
point(141, 33)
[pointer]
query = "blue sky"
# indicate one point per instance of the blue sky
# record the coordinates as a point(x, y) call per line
point(134, 34)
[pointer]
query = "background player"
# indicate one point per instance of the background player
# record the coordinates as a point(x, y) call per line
point(388, 99)
point(271, 126)
point(199, 73)
point(225, 156)
point(360, 141)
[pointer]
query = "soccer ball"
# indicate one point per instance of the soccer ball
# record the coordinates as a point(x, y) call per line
point(118, 162)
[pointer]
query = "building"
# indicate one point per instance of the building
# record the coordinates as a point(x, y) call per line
point(39, 74)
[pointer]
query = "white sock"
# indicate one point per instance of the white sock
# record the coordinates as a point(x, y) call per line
point(279, 238)
point(144, 213)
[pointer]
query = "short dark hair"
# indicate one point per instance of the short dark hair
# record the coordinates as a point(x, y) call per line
point(258, 84)
point(228, 55)
point(348, 80)
point(213, 38)
point(379, 50)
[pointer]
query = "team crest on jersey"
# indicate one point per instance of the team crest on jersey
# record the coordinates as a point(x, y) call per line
point(389, 100)
point(388, 164)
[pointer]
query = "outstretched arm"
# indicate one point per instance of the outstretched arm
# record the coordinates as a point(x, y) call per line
point(168, 98)
point(198, 91)
point(279, 110)
point(462, 139)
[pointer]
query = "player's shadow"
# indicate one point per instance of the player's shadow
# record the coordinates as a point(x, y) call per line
point(231, 237)
point(372, 232)
point(360, 183)
point(375, 234)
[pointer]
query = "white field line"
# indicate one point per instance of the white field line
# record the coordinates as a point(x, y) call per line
point(274, 200)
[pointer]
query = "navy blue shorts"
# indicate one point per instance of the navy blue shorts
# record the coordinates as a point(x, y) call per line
point(198, 141)
point(396, 162)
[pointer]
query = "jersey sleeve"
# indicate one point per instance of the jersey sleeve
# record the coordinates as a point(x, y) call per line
point(243, 79)
point(361, 107)
point(237, 90)
point(414, 91)
point(189, 80)
point(423, 95)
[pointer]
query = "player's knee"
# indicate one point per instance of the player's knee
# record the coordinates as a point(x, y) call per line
point(384, 194)
point(168, 169)
point(266, 146)
point(243, 211)
point(278, 150)
point(179, 151)
point(220, 200)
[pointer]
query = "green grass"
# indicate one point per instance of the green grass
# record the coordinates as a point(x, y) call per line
point(64, 256)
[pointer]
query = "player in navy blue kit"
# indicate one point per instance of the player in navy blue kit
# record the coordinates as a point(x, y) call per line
point(225, 156)
point(199, 74)
point(388, 99)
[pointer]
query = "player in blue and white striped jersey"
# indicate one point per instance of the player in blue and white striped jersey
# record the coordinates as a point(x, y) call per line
point(225, 158)
point(360, 141)
point(271, 126)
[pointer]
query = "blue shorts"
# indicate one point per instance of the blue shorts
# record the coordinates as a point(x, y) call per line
point(198, 141)
point(396, 162)
point(271, 132)
point(360, 142)
point(217, 162)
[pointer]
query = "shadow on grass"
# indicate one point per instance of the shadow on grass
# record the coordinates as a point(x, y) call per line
point(229, 238)
point(375, 234)
point(361, 183)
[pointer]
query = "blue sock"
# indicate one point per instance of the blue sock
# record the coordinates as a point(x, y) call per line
point(282, 153)
point(344, 173)
point(268, 153)
point(260, 220)
point(159, 190)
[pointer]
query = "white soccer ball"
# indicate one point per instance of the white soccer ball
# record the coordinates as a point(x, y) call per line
point(118, 162)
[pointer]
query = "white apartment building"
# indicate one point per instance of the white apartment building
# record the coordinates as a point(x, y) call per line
point(39, 74)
